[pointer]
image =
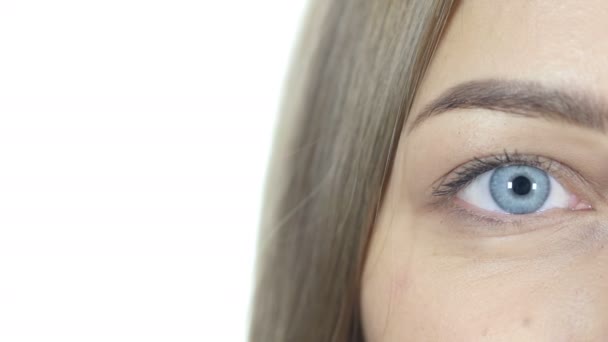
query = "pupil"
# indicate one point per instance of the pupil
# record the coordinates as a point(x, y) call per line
point(522, 185)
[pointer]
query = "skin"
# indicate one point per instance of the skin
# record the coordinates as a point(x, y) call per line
point(434, 273)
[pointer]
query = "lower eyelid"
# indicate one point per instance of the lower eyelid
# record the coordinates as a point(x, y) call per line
point(475, 217)
point(471, 225)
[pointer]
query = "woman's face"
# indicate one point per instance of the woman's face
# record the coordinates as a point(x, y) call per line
point(495, 219)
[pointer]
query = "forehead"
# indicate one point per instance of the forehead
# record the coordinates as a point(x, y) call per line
point(561, 43)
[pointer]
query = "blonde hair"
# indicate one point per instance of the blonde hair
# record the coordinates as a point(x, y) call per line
point(351, 88)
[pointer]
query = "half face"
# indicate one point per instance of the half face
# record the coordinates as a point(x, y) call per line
point(495, 220)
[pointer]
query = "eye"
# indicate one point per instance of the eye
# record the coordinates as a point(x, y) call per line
point(515, 189)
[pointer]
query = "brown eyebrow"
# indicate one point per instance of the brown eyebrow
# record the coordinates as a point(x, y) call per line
point(525, 98)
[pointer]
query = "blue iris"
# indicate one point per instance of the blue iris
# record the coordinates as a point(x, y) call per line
point(520, 189)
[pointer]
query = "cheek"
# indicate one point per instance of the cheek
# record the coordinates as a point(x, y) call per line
point(413, 292)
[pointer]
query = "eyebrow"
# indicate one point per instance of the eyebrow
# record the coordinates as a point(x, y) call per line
point(521, 97)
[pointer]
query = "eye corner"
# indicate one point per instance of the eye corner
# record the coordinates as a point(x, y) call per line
point(576, 203)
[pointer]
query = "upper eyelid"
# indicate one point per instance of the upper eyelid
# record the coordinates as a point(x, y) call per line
point(465, 175)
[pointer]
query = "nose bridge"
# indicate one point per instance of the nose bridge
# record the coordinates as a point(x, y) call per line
point(585, 282)
point(592, 241)
point(593, 262)
point(575, 298)
point(584, 304)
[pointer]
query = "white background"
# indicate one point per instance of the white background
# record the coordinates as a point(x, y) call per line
point(134, 137)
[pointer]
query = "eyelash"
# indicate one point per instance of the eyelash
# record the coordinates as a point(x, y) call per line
point(457, 179)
